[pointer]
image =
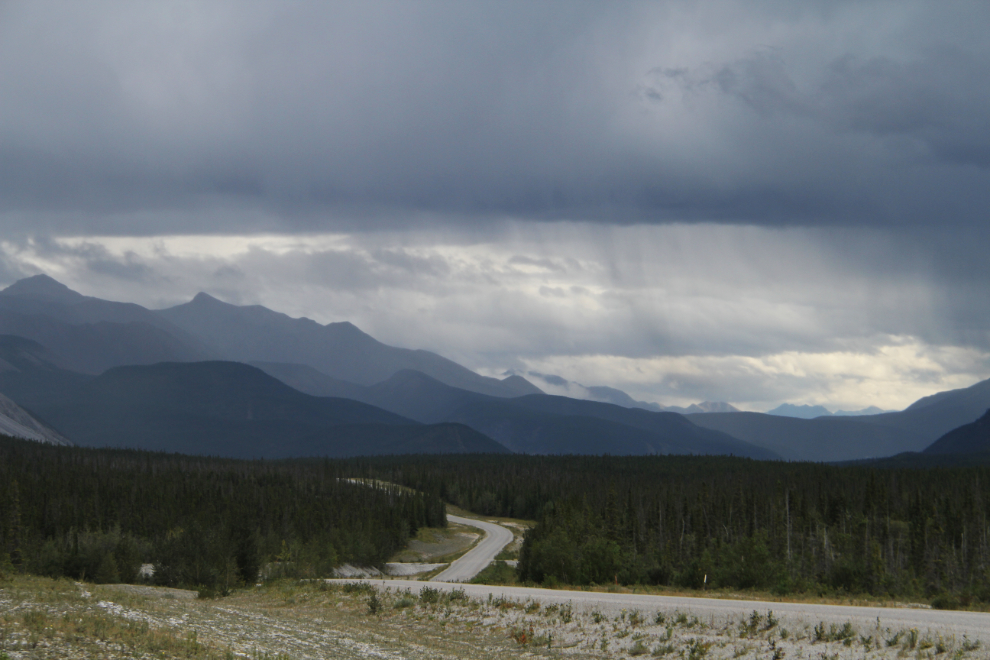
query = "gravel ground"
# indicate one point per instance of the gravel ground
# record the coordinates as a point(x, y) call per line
point(59, 619)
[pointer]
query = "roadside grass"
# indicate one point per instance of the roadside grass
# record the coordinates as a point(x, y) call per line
point(41, 613)
point(318, 619)
point(439, 544)
point(498, 572)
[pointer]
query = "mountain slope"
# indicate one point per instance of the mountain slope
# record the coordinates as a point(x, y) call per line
point(95, 347)
point(800, 412)
point(236, 410)
point(91, 335)
point(534, 431)
point(934, 416)
point(30, 375)
point(310, 381)
point(339, 350)
point(674, 431)
point(820, 439)
point(542, 424)
point(17, 423)
point(842, 438)
point(43, 295)
point(973, 438)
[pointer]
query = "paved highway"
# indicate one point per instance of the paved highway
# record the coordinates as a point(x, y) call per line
point(976, 625)
point(480, 556)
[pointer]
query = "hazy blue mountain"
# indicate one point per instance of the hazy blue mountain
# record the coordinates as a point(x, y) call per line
point(546, 424)
point(933, 416)
point(820, 439)
point(849, 438)
point(800, 412)
point(415, 395)
point(538, 431)
point(703, 407)
point(307, 379)
point(95, 347)
point(560, 386)
point(674, 431)
point(32, 376)
point(872, 410)
point(542, 423)
point(811, 412)
point(972, 438)
point(553, 384)
point(43, 295)
point(232, 409)
point(339, 350)
point(89, 335)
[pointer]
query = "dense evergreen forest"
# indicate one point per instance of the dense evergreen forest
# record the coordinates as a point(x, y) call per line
point(727, 522)
point(669, 520)
point(98, 514)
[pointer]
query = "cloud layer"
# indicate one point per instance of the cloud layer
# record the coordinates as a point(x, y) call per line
point(154, 118)
point(750, 201)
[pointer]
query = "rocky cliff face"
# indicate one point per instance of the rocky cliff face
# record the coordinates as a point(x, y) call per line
point(17, 422)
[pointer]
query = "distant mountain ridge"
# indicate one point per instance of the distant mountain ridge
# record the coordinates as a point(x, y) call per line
point(604, 394)
point(233, 409)
point(53, 342)
point(800, 412)
point(811, 412)
point(339, 350)
point(89, 335)
point(533, 424)
point(838, 438)
point(973, 438)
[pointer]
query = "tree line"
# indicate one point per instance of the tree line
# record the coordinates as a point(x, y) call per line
point(727, 522)
point(99, 514)
point(696, 522)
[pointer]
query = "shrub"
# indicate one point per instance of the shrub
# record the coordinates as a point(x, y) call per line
point(945, 601)
point(374, 603)
point(429, 595)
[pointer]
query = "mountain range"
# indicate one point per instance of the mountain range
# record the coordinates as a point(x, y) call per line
point(234, 409)
point(211, 377)
point(554, 384)
point(811, 412)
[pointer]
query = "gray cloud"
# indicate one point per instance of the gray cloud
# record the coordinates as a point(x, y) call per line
point(709, 188)
point(125, 118)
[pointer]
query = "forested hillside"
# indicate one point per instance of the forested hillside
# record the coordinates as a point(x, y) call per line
point(99, 514)
point(679, 520)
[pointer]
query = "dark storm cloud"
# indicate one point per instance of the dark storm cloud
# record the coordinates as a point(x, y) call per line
point(141, 118)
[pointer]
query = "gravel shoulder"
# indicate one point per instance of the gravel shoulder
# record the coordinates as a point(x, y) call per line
point(42, 618)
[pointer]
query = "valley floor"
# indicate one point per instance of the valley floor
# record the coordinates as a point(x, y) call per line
point(42, 618)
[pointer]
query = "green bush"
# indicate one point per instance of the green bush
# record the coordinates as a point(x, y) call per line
point(946, 601)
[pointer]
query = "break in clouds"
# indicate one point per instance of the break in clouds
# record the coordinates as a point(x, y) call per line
point(754, 202)
point(673, 314)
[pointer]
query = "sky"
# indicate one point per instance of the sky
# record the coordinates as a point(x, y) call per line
point(752, 202)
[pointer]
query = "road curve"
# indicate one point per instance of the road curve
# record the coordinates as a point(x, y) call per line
point(976, 625)
point(480, 556)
